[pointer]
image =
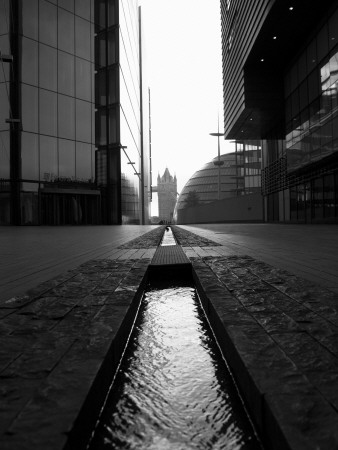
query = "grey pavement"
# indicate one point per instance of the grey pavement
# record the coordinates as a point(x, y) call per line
point(309, 251)
point(32, 255)
point(270, 292)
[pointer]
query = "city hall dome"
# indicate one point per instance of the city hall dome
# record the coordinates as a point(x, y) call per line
point(202, 187)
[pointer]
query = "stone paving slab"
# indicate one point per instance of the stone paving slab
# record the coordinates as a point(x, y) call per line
point(60, 345)
point(280, 333)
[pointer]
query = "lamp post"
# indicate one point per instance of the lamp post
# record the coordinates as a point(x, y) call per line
point(218, 163)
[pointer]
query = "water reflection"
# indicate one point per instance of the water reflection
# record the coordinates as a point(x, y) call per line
point(173, 390)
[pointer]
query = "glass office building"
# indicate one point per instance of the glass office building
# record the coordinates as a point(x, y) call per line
point(67, 107)
point(286, 89)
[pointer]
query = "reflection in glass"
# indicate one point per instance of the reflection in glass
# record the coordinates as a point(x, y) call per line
point(82, 38)
point(47, 23)
point(83, 121)
point(48, 112)
point(66, 158)
point(29, 14)
point(47, 67)
point(83, 161)
point(66, 116)
point(48, 158)
point(4, 155)
point(29, 58)
point(66, 73)
point(30, 156)
point(83, 79)
point(30, 108)
point(65, 31)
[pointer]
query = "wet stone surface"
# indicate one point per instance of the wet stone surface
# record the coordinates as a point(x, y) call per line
point(147, 240)
point(54, 340)
point(283, 333)
point(186, 238)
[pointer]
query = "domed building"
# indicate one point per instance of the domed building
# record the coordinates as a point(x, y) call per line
point(235, 175)
point(203, 185)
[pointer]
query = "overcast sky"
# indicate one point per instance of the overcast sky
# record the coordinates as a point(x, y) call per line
point(184, 73)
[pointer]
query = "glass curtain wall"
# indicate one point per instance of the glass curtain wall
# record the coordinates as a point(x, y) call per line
point(57, 74)
point(118, 106)
point(5, 113)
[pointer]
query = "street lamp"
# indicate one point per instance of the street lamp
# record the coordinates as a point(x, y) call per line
point(218, 163)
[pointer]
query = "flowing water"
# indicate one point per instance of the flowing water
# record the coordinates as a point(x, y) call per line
point(173, 389)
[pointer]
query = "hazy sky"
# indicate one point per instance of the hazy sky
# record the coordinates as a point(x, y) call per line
point(184, 73)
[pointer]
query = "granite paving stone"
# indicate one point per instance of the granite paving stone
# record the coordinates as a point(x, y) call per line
point(61, 340)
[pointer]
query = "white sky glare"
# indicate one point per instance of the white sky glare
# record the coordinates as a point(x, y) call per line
point(183, 63)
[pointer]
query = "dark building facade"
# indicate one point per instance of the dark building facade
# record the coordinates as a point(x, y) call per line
point(63, 62)
point(280, 75)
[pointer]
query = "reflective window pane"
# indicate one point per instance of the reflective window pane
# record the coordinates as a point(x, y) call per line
point(66, 158)
point(82, 8)
point(84, 74)
point(47, 23)
point(48, 158)
point(82, 38)
point(30, 156)
point(30, 66)
point(48, 112)
point(28, 17)
point(66, 116)
point(30, 108)
point(65, 31)
point(83, 161)
point(4, 154)
point(48, 67)
point(66, 73)
point(67, 4)
point(83, 121)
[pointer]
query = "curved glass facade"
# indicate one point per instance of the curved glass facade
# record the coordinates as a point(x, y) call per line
point(240, 174)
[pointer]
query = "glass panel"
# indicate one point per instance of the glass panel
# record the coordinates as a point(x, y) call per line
point(66, 116)
point(311, 56)
point(29, 18)
point(101, 127)
point(322, 43)
point(83, 161)
point(112, 13)
point(66, 31)
point(4, 106)
point(112, 47)
point(113, 131)
point(83, 121)
point(30, 108)
point(83, 79)
point(100, 53)
point(313, 83)
point(82, 8)
point(29, 65)
point(100, 86)
point(82, 38)
point(333, 29)
point(47, 23)
point(67, 4)
point(48, 112)
point(66, 74)
point(66, 159)
point(113, 93)
point(100, 13)
point(48, 67)
point(4, 155)
point(329, 203)
point(317, 198)
point(30, 156)
point(48, 158)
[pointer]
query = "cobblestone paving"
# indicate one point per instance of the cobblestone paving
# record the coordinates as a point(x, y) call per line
point(186, 238)
point(147, 240)
point(53, 344)
point(283, 331)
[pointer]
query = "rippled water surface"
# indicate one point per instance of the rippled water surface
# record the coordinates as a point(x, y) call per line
point(173, 389)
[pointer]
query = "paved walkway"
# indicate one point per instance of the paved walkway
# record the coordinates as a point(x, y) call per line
point(309, 251)
point(61, 341)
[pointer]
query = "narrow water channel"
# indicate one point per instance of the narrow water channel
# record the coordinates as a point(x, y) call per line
point(173, 389)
